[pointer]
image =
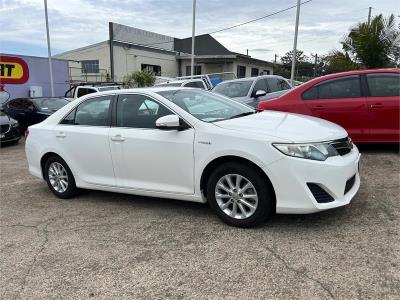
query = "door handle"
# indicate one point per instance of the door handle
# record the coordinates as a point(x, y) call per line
point(117, 138)
point(377, 105)
point(318, 107)
point(61, 135)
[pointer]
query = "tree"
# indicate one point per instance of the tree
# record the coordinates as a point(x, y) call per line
point(288, 57)
point(338, 61)
point(374, 45)
point(139, 79)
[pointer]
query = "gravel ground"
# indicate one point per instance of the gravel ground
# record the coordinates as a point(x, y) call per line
point(105, 245)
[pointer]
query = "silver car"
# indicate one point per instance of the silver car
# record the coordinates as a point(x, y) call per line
point(252, 89)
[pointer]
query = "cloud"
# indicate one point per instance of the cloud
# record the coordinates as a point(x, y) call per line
point(76, 23)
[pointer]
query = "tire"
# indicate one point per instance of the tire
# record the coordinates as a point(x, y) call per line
point(59, 178)
point(261, 206)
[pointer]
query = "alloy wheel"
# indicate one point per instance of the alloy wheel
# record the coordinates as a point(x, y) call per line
point(236, 196)
point(58, 177)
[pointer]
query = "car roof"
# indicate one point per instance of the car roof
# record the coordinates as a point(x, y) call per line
point(252, 78)
point(153, 89)
point(180, 81)
point(354, 72)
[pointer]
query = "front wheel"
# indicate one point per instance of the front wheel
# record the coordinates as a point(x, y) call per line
point(59, 178)
point(239, 195)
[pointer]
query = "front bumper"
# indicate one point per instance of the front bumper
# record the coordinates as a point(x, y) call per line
point(289, 177)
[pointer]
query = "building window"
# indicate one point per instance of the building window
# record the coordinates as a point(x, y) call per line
point(197, 70)
point(153, 69)
point(254, 72)
point(266, 72)
point(90, 66)
point(241, 71)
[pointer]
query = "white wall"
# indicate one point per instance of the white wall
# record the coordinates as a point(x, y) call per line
point(126, 60)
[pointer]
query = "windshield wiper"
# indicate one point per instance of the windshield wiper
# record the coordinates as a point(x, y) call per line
point(243, 114)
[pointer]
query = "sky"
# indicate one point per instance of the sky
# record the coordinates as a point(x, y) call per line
point(77, 23)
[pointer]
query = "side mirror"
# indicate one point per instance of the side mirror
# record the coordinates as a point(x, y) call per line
point(169, 122)
point(260, 93)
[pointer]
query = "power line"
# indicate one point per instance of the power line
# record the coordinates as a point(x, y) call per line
point(260, 18)
point(237, 25)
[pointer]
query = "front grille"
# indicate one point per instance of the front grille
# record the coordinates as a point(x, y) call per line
point(343, 146)
point(349, 184)
point(319, 193)
point(4, 128)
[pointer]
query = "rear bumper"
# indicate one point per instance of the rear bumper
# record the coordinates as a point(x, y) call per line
point(290, 176)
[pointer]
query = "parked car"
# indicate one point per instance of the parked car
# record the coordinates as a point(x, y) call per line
point(366, 103)
point(250, 90)
point(29, 111)
point(195, 145)
point(193, 83)
point(9, 132)
point(80, 90)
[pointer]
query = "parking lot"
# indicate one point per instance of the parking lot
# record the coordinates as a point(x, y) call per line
point(105, 245)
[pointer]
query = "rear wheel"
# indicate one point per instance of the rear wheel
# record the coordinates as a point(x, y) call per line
point(59, 178)
point(239, 195)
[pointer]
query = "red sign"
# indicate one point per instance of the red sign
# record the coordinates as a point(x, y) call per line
point(13, 70)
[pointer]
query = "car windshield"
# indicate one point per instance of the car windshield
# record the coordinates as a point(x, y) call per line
point(207, 106)
point(49, 104)
point(234, 88)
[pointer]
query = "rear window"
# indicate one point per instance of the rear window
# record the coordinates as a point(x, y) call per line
point(195, 84)
point(50, 104)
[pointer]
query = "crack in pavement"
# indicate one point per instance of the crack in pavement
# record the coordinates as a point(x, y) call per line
point(304, 274)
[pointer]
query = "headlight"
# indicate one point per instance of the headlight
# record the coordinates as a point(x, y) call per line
point(315, 151)
point(14, 124)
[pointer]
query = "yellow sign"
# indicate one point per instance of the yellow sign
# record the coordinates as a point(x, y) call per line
point(13, 70)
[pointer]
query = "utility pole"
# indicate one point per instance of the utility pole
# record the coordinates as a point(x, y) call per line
point(275, 56)
point(49, 49)
point(369, 14)
point(315, 65)
point(193, 35)
point(296, 31)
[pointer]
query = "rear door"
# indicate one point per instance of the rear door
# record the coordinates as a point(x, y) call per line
point(83, 137)
point(383, 104)
point(340, 101)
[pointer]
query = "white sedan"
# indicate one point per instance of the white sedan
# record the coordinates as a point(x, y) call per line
point(195, 145)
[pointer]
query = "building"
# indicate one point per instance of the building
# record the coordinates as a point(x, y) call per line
point(24, 76)
point(130, 49)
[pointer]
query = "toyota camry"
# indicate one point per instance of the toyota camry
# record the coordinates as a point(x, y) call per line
point(194, 145)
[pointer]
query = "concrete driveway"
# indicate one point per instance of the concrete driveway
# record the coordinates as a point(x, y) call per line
point(113, 246)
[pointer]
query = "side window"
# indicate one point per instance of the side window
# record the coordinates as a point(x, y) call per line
point(261, 84)
point(21, 103)
point(310, 94)
point(93, 112)
point(139, 111)
point(195, 84)
point(346, 87)
point(277, 84)
point(383, 84)
point(69, 119)
point(85, 91)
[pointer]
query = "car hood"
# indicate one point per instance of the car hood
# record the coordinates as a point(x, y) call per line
point(292, 127)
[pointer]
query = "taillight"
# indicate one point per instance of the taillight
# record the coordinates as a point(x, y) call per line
point(26, 132)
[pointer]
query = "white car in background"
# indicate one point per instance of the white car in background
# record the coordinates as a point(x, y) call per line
point(194, 145)
point(193, 83)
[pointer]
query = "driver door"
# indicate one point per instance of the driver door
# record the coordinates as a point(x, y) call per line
point(148, 158)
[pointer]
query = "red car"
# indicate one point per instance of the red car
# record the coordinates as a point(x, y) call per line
point(366, 103)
